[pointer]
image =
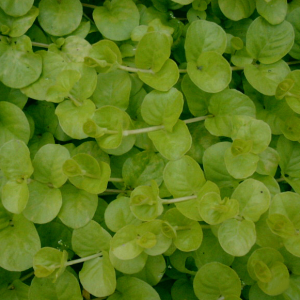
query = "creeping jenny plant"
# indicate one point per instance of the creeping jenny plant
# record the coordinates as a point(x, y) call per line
point(149, 149)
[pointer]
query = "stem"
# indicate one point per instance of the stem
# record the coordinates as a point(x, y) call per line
point(142, 130)
point(154, 128)
point(75, 101)
point(80, 260)
point(176, 200)
point(11, 286)
point(36, 44)
point(205, 226)
point(280, 179)
point(89, 5)
point(130, 69)
point(182, 70)
point(115, 191)
point(197, 119)
point(116, 179)
point(89, 18)
point(293, 62)
point(182, 227)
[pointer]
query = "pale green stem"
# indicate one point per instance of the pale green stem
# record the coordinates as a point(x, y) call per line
point(115, 191)
point(293, 62)
point(205, 226)
point(89, 18)
point(130, 69)
point(83, 259)
point(154, 128)
point(182, 227)
point(116, 179)
point(11, 286)
point(197, 119)
point(75, 101)
point(280, 179)
point(142, 130)
point(177, 200)
point(36, 44)
point(89, 5)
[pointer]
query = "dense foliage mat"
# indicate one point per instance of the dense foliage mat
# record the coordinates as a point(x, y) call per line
point(149, 149)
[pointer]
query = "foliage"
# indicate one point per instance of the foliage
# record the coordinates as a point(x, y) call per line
point(149, 149)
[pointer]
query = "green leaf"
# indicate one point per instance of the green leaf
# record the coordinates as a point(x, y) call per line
point(190, 208)
point(90, 239)
point(49, 261)
point(129, 266)
point(16, 9)
point(197, 100)
point(124, 243)
point(20, 168)
point(152, 58)
point(163, 233)
point(242, 165)
point(98, 277)
point(20, 242)
point(281, 225)
point(265, 78)
point(183, 288)
point(65, 81)
point(52, 17)
point(105, 56)
point(254, 199)
point(112, 88)
point(203, 36)
point(172, 145)
point(162, 108)
point(237, 10)
point(44, 203)
point(116, 19)
point(215, 168)
point(134, 289)
point(211, 251)
point(13, 124)
point(269, 43)
point(292, 93)
point(274, 11)
point(215, 210)
point(289, 153)
point(256, 293)
point(78, 206)
point(153, 271)
point(145, 203)
point(86, 173)
point(14, 96)
point(211, 72)
point(118, 214)
point(19, 65)
point(112, 118)
point(183, 177)
point(64, 288)
point(290, 128)
point(224, 106)
point(72, 117)
point(143, 167)
point(189, 233)
point(208, 286)
point(268, 162)
point(48, 163)
point(265, 265)
point(293, 18)
point(17, 26)
point(237, 237)
point(19, 292)
point(164, 79)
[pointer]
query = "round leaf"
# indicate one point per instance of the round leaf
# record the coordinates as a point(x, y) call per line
point(98, 277)
point(211, 72)
point(172, 145)
point(53, 13)
point(203, 36)
point(237, 9)
point(78, 206)
point(207, 283)
point(269, 43)
point(13, 256)
point(44, 203)
point(116, 19)
point(237, 237)
point(15, 8)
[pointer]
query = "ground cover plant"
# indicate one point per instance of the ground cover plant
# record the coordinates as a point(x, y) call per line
point(149, 149)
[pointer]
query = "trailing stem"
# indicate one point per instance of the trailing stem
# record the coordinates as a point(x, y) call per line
point(83, 259)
